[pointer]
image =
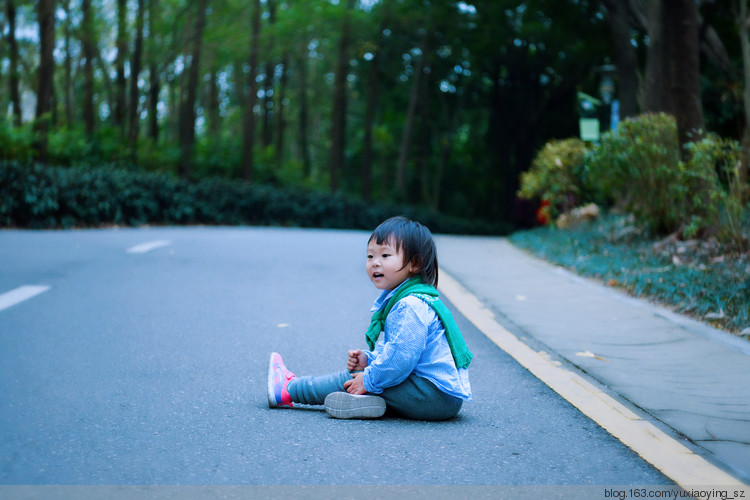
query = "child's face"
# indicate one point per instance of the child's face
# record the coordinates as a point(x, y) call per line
point(385, 265)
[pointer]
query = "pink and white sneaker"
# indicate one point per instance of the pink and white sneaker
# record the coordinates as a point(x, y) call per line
point(278, 380)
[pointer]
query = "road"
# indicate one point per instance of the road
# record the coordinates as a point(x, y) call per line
point(147, 365)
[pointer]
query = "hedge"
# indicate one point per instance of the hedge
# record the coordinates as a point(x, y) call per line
point(36, 196)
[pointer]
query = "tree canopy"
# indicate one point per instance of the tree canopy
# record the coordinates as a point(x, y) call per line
point(432, 102)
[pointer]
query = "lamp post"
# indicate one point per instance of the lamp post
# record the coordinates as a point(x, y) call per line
point(607, 91)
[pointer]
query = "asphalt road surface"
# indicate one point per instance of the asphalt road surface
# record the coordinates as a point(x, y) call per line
point(147, 365)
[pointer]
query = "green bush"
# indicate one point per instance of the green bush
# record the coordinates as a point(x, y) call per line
point(67, 145)
point(48, 197)
point(714, 179)
point(557, 175)
point(16, 143)
point(638, 168)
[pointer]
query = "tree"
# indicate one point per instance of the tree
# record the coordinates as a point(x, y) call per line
point(673, 65)
point(406, 136)
point(46, 19)
point(686, 84)
point(251, 96)
point(187, 113)
point(267, 107)
point(303, 137)
point(625, 57)
point(68, 67)
point(280, 116)
point(154, 86)
point(88, 43)
point(743, 27)
point(338, 119)
point(15, 96)
point(120, 81)
point(135, 72)
point(657, 95)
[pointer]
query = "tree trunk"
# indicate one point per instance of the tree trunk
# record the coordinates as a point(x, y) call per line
point(657, 95)
point(711, 45)
point(685, 78)
point(743, 24)
point(403, 155)
point(673, 66)
point(212, 106)
point(625, 58)
point(187, 115)
point(429, 141)
point(338, 119)
point(303, 144)
point(68, 66)
point(120, 81)
point(373, 89)
point(46, 18)
point(15, 95)
point(88, 47)
point(135, 72)
point(280, 118)
point(251, 96)
point(268, 98)
point(153, 75)
point(372, 100)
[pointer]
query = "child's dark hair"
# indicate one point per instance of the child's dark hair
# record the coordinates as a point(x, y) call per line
point(416, 243)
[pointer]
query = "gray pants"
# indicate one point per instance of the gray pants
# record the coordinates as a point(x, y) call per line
point(416, 397)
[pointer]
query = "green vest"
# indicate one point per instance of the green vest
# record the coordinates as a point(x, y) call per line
point(415, 286)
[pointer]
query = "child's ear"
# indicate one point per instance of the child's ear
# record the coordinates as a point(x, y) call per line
point(415, 266)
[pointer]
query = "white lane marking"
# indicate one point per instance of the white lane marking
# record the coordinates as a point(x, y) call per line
point(20, 294)
point(148, 246)
point(671, 457)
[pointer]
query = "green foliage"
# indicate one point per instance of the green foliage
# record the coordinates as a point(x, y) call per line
point(16, 143)
point(68, 145)
point(718, 193)
point(711, 285)
point(638, 169)
point(638, 166)
point(557, 175)
point(43, 197)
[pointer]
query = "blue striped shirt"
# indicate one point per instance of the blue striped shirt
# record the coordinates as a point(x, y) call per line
point(413, 342)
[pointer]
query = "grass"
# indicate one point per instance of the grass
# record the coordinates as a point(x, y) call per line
point(700, 278)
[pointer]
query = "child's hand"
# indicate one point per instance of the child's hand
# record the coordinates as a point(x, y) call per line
point(355, 385)
point(357, 360)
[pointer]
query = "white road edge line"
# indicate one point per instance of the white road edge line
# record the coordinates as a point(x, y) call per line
point(148, 246)
point(672, 458)
point(18, 295)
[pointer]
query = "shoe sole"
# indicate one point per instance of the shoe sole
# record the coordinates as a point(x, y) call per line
point(345, 405)
point(271, 395)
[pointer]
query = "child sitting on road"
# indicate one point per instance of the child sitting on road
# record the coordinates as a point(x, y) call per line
point(419, 368)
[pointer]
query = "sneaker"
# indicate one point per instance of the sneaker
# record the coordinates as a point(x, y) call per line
point(345, 405)
point(278, 380)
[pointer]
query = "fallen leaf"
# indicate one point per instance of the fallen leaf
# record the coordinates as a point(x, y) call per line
point(589, 354)
point(718, 315)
